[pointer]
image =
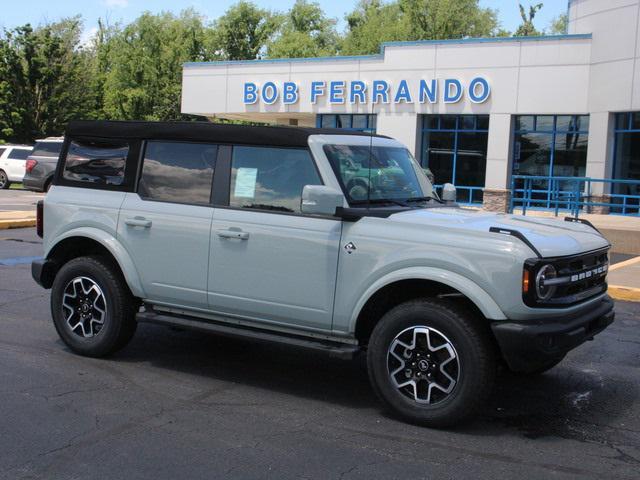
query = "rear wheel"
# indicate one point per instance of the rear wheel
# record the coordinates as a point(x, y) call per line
point(4, 180)
point(92, 308)
point(431, 363)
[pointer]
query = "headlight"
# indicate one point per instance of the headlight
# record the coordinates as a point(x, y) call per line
point(543, 290)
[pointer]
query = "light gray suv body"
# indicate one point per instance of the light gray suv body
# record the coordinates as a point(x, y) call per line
point(257, 232)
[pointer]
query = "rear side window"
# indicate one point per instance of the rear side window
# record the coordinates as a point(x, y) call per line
point(178, 172)
point(19, 154)
point(96, 163)
point(270, 178)
point(2, 151)
point(47, 149)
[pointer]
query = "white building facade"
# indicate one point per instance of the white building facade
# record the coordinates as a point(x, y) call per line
point(480, 113)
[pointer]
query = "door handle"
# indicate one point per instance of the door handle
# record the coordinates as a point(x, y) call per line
point(236, 234)
point(138, 222)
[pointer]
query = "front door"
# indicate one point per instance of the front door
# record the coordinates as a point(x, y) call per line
point(165, 226)
point(269, 262)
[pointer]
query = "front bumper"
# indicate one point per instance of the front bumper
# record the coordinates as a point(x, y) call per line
point(527, 346)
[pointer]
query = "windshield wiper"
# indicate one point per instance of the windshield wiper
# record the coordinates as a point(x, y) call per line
point(379, 201)
point(422, 199)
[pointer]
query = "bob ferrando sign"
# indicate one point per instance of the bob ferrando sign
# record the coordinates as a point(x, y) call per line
point(340, 92)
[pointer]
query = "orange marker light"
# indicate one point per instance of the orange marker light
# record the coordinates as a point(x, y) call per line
point(525, 281)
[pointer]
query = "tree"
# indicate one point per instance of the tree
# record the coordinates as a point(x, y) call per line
point(305, 31)
point(243, 31)
point(527, 29)
point(142, 64)
point(372, 23)
point(445, 19)
point(559, 25)
point(43, 80)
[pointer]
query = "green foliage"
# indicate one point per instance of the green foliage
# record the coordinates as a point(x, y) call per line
point(141, 67)
point(527, 29)
point(559, 25)
point(443, 19)
point(43, 80)
point(372, 23)
point(304, 31)
point(243, 31)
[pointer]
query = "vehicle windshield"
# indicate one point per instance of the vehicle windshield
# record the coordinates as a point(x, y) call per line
point(378, 175)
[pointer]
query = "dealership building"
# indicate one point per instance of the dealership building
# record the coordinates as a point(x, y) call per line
point(483, 114)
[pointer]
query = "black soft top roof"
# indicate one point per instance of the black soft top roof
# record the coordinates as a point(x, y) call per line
point(202, 132)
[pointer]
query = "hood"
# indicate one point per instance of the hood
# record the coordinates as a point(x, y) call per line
point(550, 236)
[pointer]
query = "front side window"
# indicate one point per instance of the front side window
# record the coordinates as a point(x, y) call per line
point(377, 174)
point(268, 178)
point(178, 172)
point(96, 163)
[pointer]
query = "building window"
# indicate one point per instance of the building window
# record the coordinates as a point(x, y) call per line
point(454, 148)
point(626, 163)
point(357, 122)
point(549, 146)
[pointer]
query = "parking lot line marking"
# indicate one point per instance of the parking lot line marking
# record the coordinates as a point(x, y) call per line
point(10, 262)
point(626, 263)
point(627, 294)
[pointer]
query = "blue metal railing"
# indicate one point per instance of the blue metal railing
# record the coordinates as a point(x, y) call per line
point(574, 194)
point(465, 195)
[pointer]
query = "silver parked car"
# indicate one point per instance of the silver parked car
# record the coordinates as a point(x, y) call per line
point(314, 238)
point(41, 164)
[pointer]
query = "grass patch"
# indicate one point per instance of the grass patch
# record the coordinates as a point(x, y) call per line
point(16, 186)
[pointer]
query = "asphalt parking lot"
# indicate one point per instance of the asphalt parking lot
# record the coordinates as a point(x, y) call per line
point(179, 404)
point(18, 200)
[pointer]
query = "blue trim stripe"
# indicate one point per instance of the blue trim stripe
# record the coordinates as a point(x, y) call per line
point(379, 56)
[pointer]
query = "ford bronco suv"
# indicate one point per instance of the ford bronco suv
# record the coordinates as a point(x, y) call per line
point(314, 238)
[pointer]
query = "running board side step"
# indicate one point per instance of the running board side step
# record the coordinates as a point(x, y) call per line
point(334, 349)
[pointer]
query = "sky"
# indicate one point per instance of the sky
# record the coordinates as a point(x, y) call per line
point(19, 12)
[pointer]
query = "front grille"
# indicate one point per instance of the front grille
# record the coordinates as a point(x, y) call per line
point(580, 277)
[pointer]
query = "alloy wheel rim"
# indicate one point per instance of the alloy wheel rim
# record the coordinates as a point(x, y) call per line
point(84, 306)
point(423, 365)
point(3, 179)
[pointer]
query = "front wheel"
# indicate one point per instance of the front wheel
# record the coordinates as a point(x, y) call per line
point(92, 308)
point(4, 180)
point(431, 362)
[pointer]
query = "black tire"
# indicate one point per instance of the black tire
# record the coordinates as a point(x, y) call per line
point(4, 180)
point(448, 324)
point(118, 318)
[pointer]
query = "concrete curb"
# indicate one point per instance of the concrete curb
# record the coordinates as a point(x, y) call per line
point(18, 223)
point(627, 294)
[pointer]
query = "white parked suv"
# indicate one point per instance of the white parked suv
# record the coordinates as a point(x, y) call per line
point(315, 238)
point(13, 159)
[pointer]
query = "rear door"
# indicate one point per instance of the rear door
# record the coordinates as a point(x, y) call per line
point(269, 262)
point(165, 224)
